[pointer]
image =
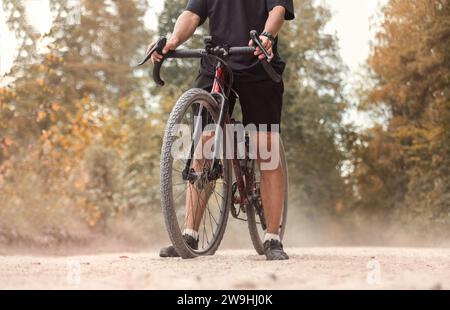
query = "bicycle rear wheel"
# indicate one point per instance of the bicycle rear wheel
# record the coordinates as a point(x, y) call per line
point(202, 201)
point(255, 210)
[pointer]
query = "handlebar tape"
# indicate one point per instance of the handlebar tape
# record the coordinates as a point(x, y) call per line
point(161, 43)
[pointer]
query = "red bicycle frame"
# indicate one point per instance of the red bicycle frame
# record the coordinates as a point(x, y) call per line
point(241, 178)
point(218, 80)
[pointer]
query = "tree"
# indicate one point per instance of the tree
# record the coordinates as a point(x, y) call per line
point(314, 105)
point(25, 34)
point(101, 52)
point(80, 111)
point(179, 74)
point(101, 48)
point(410, 65)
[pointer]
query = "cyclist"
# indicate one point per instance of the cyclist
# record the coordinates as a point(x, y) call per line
point(260, 97)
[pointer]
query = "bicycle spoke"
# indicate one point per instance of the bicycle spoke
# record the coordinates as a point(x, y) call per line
point(213, 215)
point(203, 239)
point(218, 204)
point(204, 227)
point(179, 171)
point(219, 194)
point(178, 197)
point(210, 222)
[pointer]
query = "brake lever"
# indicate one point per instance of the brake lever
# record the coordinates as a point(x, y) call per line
point(158, 47)
point(255, 38)
point(265, 62)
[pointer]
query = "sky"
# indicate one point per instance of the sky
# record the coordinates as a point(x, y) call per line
point(351, 23)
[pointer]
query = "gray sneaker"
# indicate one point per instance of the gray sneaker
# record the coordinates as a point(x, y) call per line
point(171, 252)
point(274, 250)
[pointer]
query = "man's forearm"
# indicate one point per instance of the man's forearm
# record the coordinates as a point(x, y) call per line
point(275, 20)
point(185, 27)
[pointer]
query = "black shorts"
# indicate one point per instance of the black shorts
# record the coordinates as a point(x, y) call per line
point(261, 102)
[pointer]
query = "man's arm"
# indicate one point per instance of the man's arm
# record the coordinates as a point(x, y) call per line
point(185, 27)
point(276, 20)
point(273, 25)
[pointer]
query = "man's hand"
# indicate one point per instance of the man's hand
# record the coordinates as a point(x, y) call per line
point(171, 45)
point(184, 29)
point(273, 26)
point(267, 45)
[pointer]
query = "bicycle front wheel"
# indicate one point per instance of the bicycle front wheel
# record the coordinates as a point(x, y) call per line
point(197, 202)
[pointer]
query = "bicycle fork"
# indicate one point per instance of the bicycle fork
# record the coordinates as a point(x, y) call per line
point(214, 171)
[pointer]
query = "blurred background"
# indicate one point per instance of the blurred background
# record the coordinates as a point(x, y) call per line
point(366, 123)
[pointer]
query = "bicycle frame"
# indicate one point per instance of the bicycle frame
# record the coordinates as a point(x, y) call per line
point(218, 91)
point(219, 88)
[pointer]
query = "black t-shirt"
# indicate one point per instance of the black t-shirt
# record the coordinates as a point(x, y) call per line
point(230, 22)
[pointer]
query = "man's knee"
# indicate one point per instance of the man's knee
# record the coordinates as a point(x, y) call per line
point(267, 146)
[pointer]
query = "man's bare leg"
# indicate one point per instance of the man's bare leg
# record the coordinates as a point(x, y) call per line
point(196, 196)
point(196, 200)
point(272, 179)
point(273, 189)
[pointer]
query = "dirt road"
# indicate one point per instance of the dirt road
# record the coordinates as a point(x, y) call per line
point(309, 268)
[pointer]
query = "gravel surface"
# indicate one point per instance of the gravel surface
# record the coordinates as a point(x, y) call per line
point(309, 268)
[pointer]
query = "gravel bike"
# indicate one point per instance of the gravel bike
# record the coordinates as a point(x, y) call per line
point(220, 185)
